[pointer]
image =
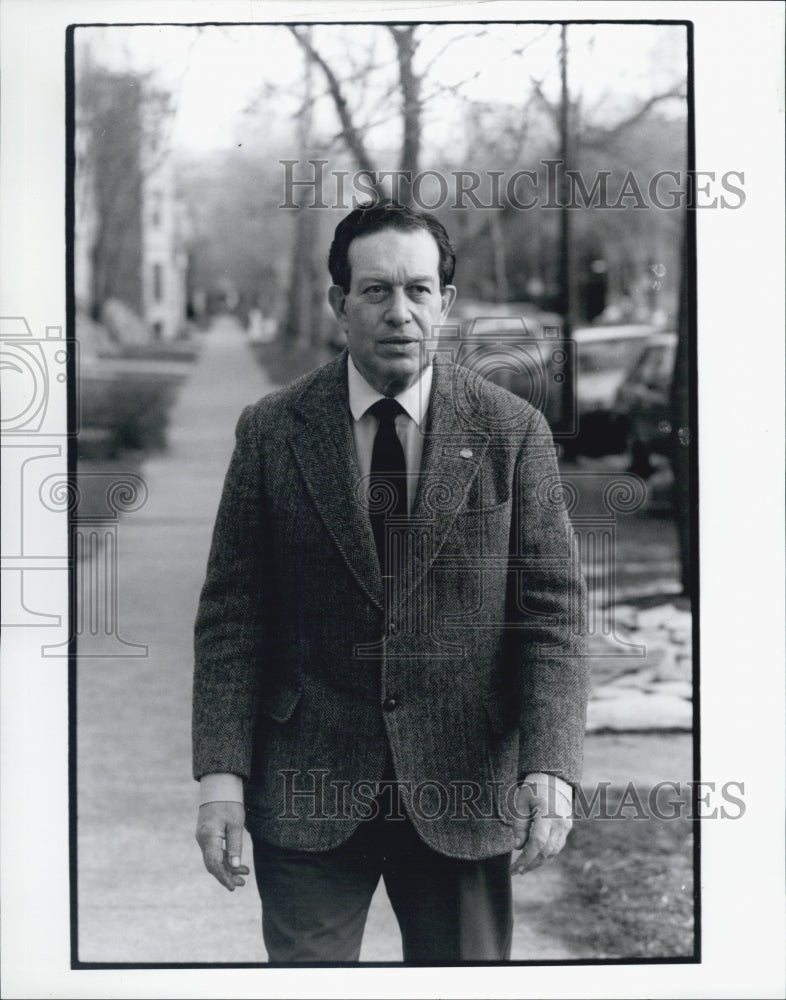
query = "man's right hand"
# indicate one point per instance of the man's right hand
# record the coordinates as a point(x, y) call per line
point(219, 833)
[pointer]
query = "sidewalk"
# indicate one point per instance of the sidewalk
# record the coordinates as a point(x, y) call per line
point(143, 893)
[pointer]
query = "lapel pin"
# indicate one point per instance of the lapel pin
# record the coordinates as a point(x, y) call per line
point(466, 453)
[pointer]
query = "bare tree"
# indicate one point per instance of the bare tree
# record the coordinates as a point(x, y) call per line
point(409, 96)
point(302, 321)
point(350, 132)
point(406, 47)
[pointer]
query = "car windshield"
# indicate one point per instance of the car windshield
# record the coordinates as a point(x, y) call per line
point(656, 365)
point(608, 355)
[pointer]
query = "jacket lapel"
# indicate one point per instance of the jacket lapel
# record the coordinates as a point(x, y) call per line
point(452, 454)
point(324, 449)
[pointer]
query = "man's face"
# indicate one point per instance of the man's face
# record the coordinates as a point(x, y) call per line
point(393, 302)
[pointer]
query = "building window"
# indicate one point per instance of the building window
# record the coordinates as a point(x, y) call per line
point(158, 283)
point(158, 329)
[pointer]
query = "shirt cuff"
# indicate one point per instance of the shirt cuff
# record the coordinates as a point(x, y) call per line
point(557, 783)
point(220, 788)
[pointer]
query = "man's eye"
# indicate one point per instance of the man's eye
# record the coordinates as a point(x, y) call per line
point(420, 290)
point(374, 291)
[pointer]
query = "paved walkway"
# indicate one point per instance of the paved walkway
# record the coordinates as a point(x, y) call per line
point(143, 893)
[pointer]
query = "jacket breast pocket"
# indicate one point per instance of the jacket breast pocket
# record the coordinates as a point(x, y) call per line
point(488, 491)
point(485, 530)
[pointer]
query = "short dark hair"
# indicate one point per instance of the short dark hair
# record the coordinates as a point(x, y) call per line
point(373, 218)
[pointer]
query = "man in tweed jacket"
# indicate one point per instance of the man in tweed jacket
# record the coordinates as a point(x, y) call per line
point(414, 716)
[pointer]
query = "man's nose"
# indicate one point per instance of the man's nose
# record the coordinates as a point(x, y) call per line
point(398, 311)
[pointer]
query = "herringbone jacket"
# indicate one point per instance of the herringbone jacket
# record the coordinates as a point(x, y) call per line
point(468, 667)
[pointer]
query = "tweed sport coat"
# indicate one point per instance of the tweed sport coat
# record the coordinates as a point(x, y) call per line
point(468, 666)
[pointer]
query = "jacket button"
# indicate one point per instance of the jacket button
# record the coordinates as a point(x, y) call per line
point(392, 628)
point(390, 704)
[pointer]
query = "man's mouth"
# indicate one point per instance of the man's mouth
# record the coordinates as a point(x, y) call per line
point(399, 340)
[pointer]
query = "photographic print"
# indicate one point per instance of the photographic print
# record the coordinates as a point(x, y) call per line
point(556, 158)
point(366, 451)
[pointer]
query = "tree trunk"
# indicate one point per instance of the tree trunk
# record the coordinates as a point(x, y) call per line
point(497, 234)
point(299, 298)
point(410, 104)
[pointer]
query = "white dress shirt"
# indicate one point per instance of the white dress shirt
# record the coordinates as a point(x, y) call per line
point(410, 424)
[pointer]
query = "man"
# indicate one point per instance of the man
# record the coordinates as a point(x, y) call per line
point(389, 676)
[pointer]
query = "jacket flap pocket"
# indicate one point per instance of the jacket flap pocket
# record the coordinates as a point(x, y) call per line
point(281, 703)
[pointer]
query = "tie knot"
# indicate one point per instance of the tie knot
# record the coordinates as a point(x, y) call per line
point(386, 409)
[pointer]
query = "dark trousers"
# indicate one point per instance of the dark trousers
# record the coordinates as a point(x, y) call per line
point(314, 904)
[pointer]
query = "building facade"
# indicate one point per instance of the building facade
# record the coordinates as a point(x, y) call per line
point(130, 235)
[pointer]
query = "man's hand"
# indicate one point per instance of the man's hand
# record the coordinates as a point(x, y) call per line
point(542, 820)
point(219, 833)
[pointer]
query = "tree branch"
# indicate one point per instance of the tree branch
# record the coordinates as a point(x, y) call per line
point(602, 136)
point(350, 133)
point(452, 41)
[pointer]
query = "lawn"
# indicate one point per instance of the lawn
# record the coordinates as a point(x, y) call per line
point(627, 886)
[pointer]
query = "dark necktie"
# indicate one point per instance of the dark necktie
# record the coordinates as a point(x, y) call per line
point(388, 485)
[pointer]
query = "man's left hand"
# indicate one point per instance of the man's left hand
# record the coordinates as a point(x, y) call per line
point(542, 820)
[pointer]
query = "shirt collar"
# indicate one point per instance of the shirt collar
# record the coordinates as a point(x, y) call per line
point(413, 400)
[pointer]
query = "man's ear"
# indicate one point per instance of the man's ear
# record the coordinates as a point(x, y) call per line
point(448, 298)
point(337, 300)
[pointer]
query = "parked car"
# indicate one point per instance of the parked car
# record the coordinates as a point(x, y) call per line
point(642, 410)
point(523, 350)
point(604, 354)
